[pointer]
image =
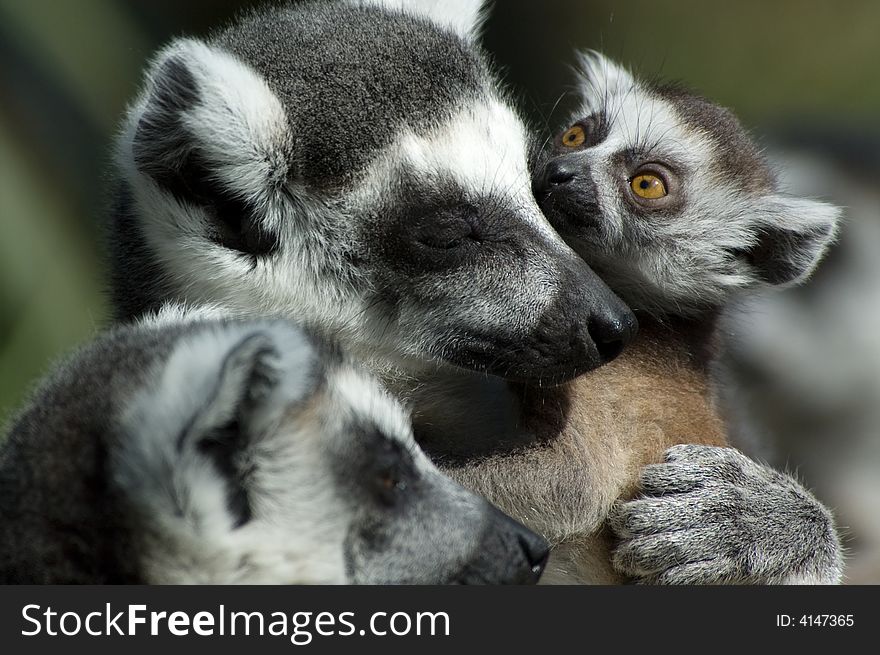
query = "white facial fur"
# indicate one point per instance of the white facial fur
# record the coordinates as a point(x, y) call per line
point(482, 149)
point(729, 228)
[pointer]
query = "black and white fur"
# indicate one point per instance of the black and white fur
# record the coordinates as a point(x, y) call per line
point(367, 144)
point(357, 167)
point(194, 449)
point(724, 227)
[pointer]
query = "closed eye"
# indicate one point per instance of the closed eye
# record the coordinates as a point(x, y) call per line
point(389, 486)
point(448, 229)
point(387, 468)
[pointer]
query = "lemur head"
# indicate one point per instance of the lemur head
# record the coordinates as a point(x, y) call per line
point(247, 451)
point(357, 166)
point(667, 197)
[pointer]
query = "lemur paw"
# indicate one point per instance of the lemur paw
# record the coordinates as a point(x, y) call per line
point(711, 515)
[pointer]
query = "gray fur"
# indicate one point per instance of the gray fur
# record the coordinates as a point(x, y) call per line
point(725, 225)
point(735, 156)
point(51, 467)
point(194, 449)
point(414, 239)
point(285, 151)
point(711, 515)
point(292, 47)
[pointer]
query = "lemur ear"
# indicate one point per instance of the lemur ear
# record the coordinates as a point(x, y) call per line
point(600, 77)
point(223, 429)
point(248, 374)
point(210, 131)
point(793, 235)
point(189, 433)
point(220, 421)
point(464, 17)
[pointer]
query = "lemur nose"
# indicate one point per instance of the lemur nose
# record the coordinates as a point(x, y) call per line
point(535, 550)
point(559, 172)
point(611, 335)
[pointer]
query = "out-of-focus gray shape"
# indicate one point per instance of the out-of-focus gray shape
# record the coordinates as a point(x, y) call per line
point(801, 374)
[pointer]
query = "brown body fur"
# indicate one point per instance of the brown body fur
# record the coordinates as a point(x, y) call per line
point(657, 394)
point(596, 434)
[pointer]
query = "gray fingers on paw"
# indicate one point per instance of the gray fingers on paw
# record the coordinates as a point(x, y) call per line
point(716, 570)
point(652, 554)
point(690, 452)
point(703, 454)
point(661, 479)
point(655, 515)
point(714, 466)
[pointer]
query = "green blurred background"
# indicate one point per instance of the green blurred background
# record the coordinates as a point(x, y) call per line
point(68, 67)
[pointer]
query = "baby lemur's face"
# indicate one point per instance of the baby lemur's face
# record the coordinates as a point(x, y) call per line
point(667, 197)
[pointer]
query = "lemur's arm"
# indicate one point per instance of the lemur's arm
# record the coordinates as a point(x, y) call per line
point(710, 515)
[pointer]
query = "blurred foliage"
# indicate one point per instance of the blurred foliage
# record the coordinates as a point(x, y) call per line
point(764, 59)
point(68, 67)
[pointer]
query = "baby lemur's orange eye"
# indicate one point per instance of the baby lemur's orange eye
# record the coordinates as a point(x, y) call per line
point(648, 186)
point(574, 137)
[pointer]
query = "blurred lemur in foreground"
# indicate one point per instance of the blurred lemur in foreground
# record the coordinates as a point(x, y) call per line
point(357, 166)
point(664, 194)
point(192, 448)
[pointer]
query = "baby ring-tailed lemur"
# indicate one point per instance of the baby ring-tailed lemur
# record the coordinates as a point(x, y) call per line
point(357, 166)
point(195, 449)
point(666, 196)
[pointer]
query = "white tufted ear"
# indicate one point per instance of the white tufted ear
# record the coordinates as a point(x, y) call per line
point(209, 134)
point(199, 98)
point(599, 77)
point(464, 17)
point(219, 393)
point(793, 235)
